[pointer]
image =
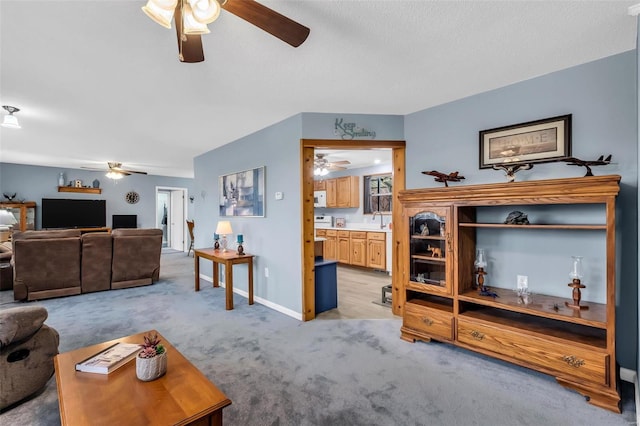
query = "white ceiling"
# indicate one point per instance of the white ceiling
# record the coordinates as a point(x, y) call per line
point(98, 81)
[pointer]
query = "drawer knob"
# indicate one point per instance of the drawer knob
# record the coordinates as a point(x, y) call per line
point(573, 361)
point(427, 321)
point(477, 335)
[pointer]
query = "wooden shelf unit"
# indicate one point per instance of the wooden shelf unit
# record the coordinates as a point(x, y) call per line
point(577, 347)
point(80, 189)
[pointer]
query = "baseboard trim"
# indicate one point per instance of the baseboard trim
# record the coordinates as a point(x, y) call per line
point(627, 375)
point(260, 300)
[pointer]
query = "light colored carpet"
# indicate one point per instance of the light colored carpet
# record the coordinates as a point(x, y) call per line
point(279, 371)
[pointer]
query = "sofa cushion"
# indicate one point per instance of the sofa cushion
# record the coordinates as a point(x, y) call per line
point(96, 261)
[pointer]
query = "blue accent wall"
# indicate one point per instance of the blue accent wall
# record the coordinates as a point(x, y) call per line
point(33, 183)
point(602, 98)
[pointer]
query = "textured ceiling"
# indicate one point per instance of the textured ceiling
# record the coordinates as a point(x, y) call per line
point(98, 81)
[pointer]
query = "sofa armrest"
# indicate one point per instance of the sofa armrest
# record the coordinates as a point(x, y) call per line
point(17, 324)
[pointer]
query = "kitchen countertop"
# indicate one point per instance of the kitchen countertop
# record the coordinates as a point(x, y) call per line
point(357, 228)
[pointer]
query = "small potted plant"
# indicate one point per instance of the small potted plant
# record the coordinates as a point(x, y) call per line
point(151, 362)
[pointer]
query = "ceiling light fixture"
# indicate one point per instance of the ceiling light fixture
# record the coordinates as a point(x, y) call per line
point(321, 171)
point(112, 174)
point(196, 14)
point(10, 121)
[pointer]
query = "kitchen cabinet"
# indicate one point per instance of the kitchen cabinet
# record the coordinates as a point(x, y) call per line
point(376, 250)
point(358, 248)
point(342, 192)
point(330, 250)
point(332, 201)
point(347, 192)
point(561, 335)
point(344, 247)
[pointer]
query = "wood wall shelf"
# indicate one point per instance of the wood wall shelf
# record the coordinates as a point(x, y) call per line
point(85, 190)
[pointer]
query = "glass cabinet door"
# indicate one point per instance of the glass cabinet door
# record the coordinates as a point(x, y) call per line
point(429, 265)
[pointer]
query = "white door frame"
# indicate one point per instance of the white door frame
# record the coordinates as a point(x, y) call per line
point(181, 229)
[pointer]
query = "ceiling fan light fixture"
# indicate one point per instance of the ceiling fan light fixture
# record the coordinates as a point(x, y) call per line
point(111, 174)
point(10, 121)
point(190, 25)
point(204, 11)
point(158, 14)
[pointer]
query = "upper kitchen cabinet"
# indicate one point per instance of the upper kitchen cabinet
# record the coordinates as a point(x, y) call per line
point(347, 192)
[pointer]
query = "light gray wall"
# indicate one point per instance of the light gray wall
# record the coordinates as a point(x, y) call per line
point(602, 97)
point(33, 183)
point(638, 141)
point(275, 238)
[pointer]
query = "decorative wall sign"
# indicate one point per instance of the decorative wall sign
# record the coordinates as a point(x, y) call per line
point(242, 193)
point(351, 131)
point(531, 142)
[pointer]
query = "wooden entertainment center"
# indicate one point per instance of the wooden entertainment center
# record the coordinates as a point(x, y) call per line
point(441, 300)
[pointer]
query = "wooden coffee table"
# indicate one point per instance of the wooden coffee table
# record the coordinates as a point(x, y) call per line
point(183, 396)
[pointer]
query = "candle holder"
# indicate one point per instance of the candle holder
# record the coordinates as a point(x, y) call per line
point(576, 274)
point(216, 242)
point(480, 264)
point(240, 248)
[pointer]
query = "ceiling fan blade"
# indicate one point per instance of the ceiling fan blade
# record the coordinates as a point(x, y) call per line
point(189, 45)
point(269, 20)
point(341, 162)
point(333, 167)
point(133, 172)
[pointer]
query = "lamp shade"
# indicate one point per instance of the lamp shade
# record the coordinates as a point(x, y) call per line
point(11, 121)
point(7, 218)
point(205, 11)
point(224, 228)
point(159, 14)
point(114, 175)
point(191, 25)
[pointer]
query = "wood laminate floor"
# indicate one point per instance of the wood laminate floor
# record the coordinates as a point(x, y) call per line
point(358, 288)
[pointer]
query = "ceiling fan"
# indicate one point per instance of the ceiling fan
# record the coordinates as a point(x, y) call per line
point(115, 171)
point(322, 166)
point(192, 16)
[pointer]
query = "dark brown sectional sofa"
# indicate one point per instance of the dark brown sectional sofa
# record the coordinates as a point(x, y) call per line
point(62, 263)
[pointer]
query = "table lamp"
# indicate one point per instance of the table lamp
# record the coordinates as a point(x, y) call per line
point(7, 218)
point(224, 229)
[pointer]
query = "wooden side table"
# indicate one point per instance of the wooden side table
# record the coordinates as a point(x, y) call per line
point(228, 259)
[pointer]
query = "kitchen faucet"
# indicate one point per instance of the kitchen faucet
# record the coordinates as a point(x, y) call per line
point(381, 218)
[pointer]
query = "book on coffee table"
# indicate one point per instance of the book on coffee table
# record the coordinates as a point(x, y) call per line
point(109, 359)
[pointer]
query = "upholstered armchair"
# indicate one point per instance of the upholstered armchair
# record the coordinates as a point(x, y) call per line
point(136, 257)
point(27, 349)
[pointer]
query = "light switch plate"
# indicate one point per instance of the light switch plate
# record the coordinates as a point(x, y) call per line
point(279, 195)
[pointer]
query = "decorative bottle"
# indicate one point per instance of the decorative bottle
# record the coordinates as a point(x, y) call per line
point(61, 179)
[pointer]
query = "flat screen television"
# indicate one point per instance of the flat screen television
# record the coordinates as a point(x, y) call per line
point(124, 221)
point(68, 213)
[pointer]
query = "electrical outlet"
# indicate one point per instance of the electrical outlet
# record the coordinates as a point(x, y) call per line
point(266, 272)
point(523, 282)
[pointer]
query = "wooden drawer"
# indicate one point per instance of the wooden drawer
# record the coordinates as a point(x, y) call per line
point(433, 322)
point(566, 359)
point(321, 232)
point(332, 233)
point(343, 234)
point(358, 235)
point(376, 236)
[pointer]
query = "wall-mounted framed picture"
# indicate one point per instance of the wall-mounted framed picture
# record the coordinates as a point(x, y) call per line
point(531, 142)
point(242, 193)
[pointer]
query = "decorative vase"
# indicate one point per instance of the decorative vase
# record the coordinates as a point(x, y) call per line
point(148, 369)
point(96, 183)
point(61, 179)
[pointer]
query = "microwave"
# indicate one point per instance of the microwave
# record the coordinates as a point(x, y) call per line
point(319, 198)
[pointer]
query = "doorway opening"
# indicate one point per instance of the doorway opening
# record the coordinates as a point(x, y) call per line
point(171, 216)
point(308, 160)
